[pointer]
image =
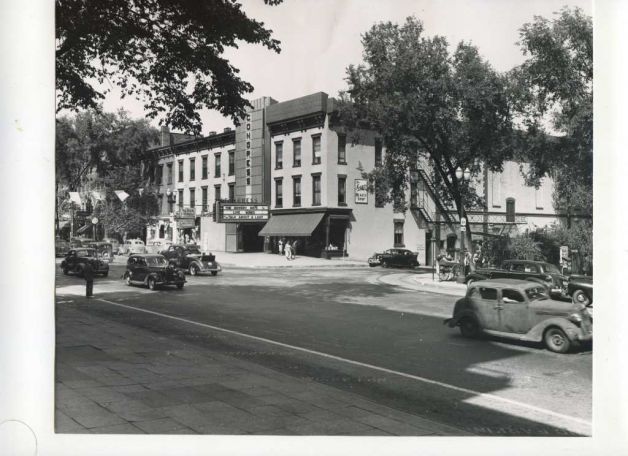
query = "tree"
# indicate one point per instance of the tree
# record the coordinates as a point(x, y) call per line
point(102, 151)
point(553, 101)
point(169, 54)
point(427, 103)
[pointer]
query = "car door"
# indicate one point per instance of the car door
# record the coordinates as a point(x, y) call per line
point(141, 269)
point(514, 315)
point(486, 301)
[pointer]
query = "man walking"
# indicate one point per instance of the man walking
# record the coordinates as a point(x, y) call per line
point(293, 248)
point(88, 275)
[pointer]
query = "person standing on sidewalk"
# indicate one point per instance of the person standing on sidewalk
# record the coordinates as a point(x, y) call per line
point(293, 248)
point(288, 249)
point(280, 247)
point(88, 275)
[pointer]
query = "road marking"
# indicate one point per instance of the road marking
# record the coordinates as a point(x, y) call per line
point(475, 394)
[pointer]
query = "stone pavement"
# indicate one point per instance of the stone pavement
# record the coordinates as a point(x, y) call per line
point(116, 378)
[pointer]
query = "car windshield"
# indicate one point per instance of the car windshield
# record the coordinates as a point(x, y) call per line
point(86, 253)
point(193, 250)
point(536, 294)
point(156, 261)
point(551, 269)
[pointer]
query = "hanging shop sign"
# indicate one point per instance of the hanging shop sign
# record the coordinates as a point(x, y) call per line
point(241, 212)
point(361, 191)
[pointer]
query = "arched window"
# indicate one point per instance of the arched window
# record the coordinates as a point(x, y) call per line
point(510, 209)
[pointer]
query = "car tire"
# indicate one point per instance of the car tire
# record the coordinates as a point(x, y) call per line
point(384, 264)
point(214, 273)
point(151, 283)
point(180, 286)
point(580, 297)
point(127, 279)
point(556, 340)
point(193, 270)
point(469, 327)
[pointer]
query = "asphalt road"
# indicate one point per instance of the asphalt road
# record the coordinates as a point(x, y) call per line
point(348, 329)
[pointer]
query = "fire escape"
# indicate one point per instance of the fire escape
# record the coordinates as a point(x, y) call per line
point(427, 207)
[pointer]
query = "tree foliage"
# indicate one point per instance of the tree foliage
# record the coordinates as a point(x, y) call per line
point(169, 54)
point(553, 101)
point(450, 108)
point(98, 151)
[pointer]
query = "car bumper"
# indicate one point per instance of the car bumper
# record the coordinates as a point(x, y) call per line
point(374, 262)
point(211, 268)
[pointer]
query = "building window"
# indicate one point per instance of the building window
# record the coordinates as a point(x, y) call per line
point(160, 175)
point(180, 199)
point(342, 149)
point(316, 149)
point(204, 198)
point(278, 155)
point(296, 152)
point(296, 191)
point(231, 162)
point(193, 198)
point(170, 174)
point(180, 170)
point(342, 190)
point(171, 199)
point(217, 165)
point(278, 192)
point(510, 209)
point(496, 189)
point(217, 192)
point(204, 170)
point(378, 152)
point(192, 169)
point(399, 234)
point(316, 189)
point(231, 192)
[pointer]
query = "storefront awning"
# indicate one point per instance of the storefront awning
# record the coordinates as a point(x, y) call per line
point(292, 224)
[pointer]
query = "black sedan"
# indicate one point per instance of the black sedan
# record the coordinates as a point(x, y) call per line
point(152, 271)
point(75, 261)
point(395, 257)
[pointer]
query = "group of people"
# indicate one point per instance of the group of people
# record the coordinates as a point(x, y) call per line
point(288, 248)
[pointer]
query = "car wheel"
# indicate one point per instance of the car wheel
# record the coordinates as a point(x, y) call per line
point(193, 270)
point(127, 279)
point(180, 286)
point(151, 283)
point(384, 264)
point(556, 340)
point(214, 273)
point(580, 297)
point(469, 327)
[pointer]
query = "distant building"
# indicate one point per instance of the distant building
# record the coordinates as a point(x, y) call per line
point(286, 172)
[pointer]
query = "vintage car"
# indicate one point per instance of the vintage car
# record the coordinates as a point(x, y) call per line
point(152, 271)
point(104, 250)
point(115, 245)
point(534, 271)
point(394, 257)
point(157, 245)
point(61, 248)
point(522, 310)
point(191, 259)
point(580, 289)
point(132, 246)
point(75, 260)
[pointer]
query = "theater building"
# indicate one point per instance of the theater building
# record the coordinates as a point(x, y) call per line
point(288, 173)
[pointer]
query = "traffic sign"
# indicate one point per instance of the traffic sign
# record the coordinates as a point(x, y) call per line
point(463, 221)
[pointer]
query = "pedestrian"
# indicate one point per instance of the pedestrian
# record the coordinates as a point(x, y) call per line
point(280, 247)
point(288, 250)
point(88, 275)
point(293, 248)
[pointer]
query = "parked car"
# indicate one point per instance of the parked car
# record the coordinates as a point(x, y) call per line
point(132, 246)
point(115, 245)
point(104, 250)
point(191, 259)
point(394, 257)
point(76, 259)
point(534, 271)
point(153, 271)
point(580, 289)
point(522, 310)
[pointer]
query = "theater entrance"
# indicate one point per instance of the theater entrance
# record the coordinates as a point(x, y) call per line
point(249, 239)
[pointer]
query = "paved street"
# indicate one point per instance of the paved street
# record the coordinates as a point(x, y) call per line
point(351, 351)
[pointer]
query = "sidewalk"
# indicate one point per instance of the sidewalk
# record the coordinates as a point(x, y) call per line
point(423, 281)
point(116, 378)
point(270, 260)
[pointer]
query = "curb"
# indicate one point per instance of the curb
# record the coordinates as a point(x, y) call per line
point(291, 266)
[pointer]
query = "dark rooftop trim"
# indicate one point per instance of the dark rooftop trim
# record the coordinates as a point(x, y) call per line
point(193, 145)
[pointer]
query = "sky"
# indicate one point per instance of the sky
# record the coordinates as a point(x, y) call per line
point(320, 38)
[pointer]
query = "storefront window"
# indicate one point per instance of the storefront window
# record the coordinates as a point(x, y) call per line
point(399, 234)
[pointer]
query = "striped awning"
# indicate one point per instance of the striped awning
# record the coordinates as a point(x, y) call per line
point(292, 224)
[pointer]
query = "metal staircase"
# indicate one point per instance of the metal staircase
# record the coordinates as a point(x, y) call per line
point(423, 208)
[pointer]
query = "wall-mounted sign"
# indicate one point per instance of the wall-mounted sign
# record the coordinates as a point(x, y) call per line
point(241, 212)
point(186, 212)
point(361, 191)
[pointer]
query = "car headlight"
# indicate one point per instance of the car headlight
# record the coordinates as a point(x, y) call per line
point(575, 318)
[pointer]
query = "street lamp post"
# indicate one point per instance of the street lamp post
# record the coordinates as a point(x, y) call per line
point(462, 176)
